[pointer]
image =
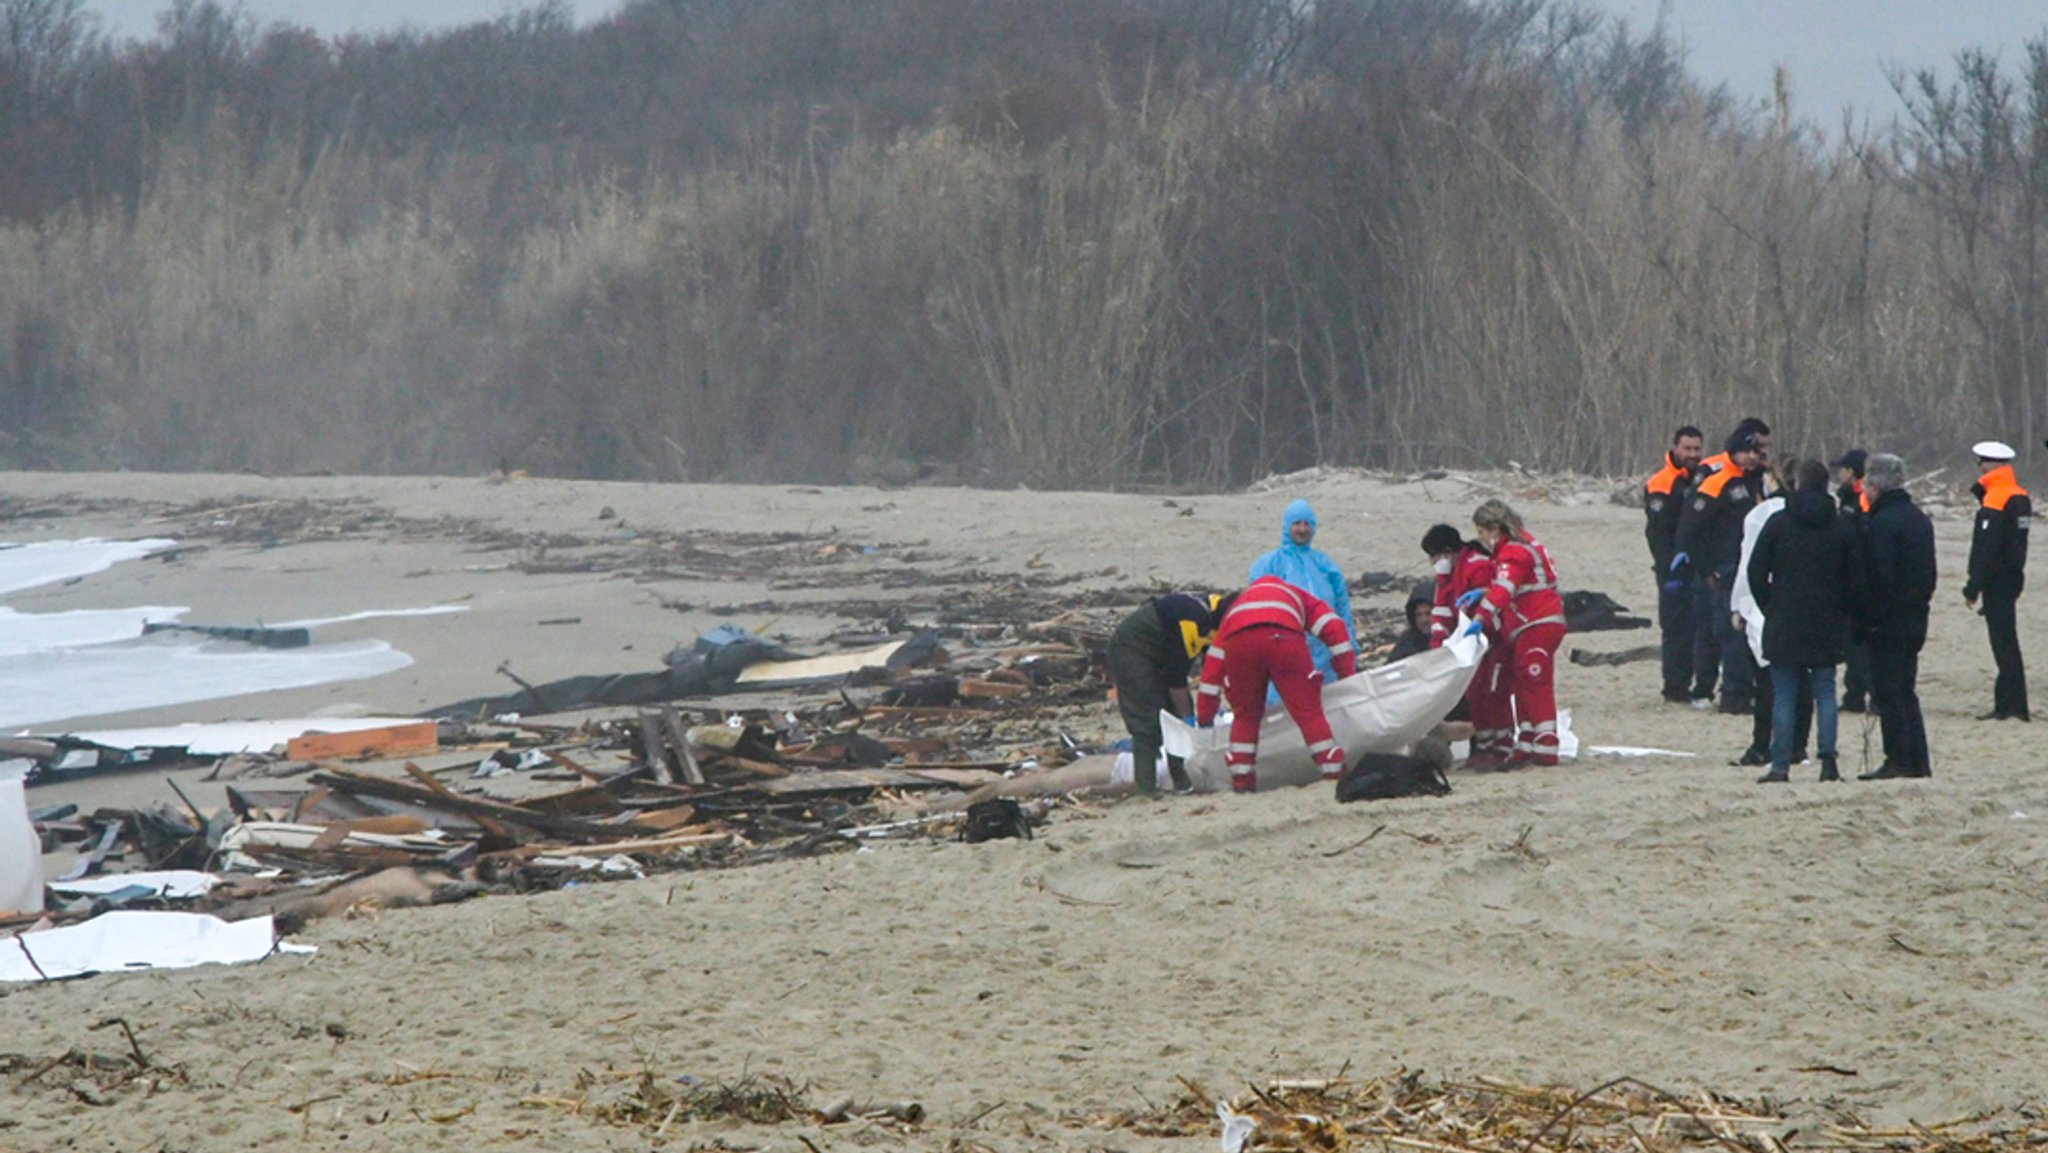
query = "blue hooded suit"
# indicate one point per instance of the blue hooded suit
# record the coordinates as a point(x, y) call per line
point(1311, 570)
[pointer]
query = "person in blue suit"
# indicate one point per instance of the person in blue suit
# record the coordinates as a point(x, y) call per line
point(1309, 569)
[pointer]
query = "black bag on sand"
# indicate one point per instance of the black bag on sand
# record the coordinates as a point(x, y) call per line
point(993, 820)
point(1384, 776)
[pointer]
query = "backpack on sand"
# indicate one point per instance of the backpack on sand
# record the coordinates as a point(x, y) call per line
point(1385, 776)
point(993, 820)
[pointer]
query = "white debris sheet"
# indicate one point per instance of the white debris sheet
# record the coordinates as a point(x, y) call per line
point(225, 738)
point(1379, 710)
point(170, 884)
point(127, 940)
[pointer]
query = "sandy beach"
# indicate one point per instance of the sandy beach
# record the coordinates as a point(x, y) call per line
point(1873, 946)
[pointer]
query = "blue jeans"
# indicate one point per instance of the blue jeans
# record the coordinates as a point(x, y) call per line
point(1786, 681)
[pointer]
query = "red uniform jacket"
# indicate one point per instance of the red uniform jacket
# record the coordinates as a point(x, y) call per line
point(1471, 569)
point(1272, 603)
point(1524, 589)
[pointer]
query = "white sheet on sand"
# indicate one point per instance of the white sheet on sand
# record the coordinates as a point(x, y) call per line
point(1380, 710)
point(134, 939)
point(171, 884)
point(226, 738)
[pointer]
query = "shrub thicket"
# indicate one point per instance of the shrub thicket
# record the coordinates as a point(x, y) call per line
point(1065, 242)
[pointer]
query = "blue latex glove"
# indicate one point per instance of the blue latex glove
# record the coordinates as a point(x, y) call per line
point(1680, 561)
point(1190, 719)
point(1674, 586)
point(1473, 629)
point(1467, 600)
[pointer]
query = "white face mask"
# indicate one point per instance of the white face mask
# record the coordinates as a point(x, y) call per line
point(1443, 566)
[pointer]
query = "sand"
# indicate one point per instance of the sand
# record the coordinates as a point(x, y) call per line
point(1875, 945)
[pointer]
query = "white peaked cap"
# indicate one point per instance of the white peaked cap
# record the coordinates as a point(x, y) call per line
point(1993, 450)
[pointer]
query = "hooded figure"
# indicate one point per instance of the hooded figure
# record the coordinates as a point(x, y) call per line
point(1414, 636)
point(1312, 571)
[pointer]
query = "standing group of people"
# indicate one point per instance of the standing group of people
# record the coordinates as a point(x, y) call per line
point(1280, 639)
point(1768, 583)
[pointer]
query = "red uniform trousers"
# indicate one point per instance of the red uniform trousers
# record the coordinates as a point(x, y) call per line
point(1532, 675)
point(1491, 702)
point(1277, 656)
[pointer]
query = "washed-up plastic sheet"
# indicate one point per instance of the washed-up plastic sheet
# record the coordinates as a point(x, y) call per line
point(171, 884)
point(124, 941)
point(226, 738)
point(1380, 710)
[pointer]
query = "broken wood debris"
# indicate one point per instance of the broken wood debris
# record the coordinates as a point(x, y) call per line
point(1408, 1110)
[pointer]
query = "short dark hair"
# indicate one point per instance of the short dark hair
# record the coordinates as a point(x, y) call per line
point(1686, 430)
point(1441, 538)
point(1754, 424)
point(1812, 474)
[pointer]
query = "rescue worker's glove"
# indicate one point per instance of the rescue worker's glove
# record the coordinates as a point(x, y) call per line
point(1191, 721)
point(1674, 586)
point(1473, 629)
point(1245, 782)
point(1680, 561)
point(1468, 599)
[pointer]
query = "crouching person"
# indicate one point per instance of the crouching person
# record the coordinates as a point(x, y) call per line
point(1261, 641)
point(1149, 657)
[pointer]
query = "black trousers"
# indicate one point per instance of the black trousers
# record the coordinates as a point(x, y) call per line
point(1141, 692)
point(1674, 621)
point(1894, 690)
point(1856, 677)
point(1738, 664)
point(2009, 692)
point(1706, 642)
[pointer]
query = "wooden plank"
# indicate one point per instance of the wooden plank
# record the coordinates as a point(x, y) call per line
point(476, 808)
point(672, 725)
point(390, 741)
point(982, 690)
point(654, 745)
point(819, 668)
point(645, 845)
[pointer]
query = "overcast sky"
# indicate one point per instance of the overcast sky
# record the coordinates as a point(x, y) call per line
point(1836, 50)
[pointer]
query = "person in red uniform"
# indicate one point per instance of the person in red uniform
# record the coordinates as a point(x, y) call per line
point(1263, 640)
point(1524, 612)
point(1464, 569)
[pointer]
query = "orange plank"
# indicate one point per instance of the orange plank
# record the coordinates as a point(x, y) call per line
point(392, 740)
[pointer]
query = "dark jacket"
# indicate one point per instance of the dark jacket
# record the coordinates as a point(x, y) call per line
point(1411, 641)
point(1664, 497)
point(1898, 572)
point(1710, 528)
point(1168, 634)
point(1998, 538)
point(1803, 572)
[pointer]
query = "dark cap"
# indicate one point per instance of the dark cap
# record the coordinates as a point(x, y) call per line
point(1743, 440)
point(1851, 460)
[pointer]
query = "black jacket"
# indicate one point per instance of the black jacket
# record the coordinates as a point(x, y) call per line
point(1168, 633)
point(1998, 543)
point(1898, 571)
point(1710, 528)
point(1664, 498)
point(1803, 573)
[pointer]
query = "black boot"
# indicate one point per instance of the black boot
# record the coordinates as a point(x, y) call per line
point(1828, 771)
point(1774, 777)
point(1753, 755)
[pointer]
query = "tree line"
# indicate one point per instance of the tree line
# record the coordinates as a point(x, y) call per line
point(1056, 242)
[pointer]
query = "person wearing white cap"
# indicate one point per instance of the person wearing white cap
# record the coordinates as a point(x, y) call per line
point(1998, 573)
